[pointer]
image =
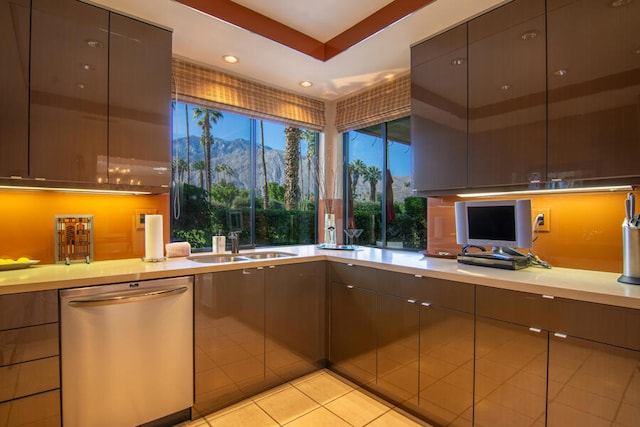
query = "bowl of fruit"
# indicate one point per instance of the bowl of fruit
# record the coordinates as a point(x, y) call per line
point(11, 264)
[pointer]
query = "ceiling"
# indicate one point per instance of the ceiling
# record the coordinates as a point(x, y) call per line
point(204, 39)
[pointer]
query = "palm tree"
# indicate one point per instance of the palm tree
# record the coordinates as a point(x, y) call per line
point(291, 160)
point(200, 166)
point(356, 168)
point(223, 169)
point(372, 175)
point(265, 186)
point(207, 118)
point(186, 113)
point(310, 137)
point(179, 168)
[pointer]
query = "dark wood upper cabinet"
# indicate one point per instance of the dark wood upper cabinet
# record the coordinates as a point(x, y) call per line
point(69, 88)
point(507, 95)
point(439, 111)
point(14, 91)
point(139, 103)
point(594, 89)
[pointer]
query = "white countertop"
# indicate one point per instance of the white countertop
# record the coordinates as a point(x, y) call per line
point(584, 285)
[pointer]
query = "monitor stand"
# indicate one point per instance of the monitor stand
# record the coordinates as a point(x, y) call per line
point(499, 257)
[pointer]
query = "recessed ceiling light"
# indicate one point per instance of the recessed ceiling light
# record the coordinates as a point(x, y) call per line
point(305, 83)
point(231, 59)
point(637, 51)
point(561, 72)
point(505, 87)
point(457, 61)
point(619, 3)
point(80, 85)
point(529, 35)
point(87, 67)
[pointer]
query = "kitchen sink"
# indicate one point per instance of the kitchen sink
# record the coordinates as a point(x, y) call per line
point(217, 259)
point(267, 255)
point(249, 256)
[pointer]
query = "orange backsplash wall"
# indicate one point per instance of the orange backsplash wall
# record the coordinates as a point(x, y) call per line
point(585, 229)
point(27, 219)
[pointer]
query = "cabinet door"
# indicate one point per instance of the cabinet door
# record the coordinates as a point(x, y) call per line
point(293, 320)
point(446, 365)
point(510, 374)
point(439, 111)
point(592, 384)
point(42, 410)
point(507, 95)
point(594, 87)
point(398, 338)
point(353, 332)
point(229, 338)
point(69, 66)
point(139, 103)
point(14, 91)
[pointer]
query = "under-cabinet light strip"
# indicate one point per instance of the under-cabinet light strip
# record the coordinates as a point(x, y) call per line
point(73, 190)
point(550, 191)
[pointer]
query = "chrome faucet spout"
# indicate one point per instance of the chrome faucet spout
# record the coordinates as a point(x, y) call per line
point(235, 247)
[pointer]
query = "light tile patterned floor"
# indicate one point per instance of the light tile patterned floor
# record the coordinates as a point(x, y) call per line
point(318, 399)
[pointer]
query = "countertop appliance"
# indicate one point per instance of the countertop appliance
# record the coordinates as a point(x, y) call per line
point(127, 353)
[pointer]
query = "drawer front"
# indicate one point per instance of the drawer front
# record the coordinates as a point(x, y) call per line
point(522, 308)
point(30, 343)
point(443, 293)
point(618, 326)
point(24, 379)
point(42, 410)
point(355, 275)
point(613, 325)
point(28, 309)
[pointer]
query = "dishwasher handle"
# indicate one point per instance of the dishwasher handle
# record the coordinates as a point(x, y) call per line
point(127, 297)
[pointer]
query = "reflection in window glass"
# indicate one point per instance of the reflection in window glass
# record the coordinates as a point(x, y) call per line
point(379, 199)
point(219, 169)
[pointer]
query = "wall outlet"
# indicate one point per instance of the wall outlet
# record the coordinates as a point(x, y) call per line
point(545, 223)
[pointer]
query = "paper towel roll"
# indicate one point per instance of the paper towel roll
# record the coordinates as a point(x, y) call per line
point(153, 242)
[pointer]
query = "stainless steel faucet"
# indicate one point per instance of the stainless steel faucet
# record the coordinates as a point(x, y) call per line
point(235, 242)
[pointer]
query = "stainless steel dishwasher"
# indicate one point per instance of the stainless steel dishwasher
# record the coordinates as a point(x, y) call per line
point(127, 353)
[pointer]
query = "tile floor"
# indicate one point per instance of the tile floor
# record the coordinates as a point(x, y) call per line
point(318, 399)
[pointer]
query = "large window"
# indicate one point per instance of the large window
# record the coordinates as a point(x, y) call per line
point(378, 196)
point(236, 173)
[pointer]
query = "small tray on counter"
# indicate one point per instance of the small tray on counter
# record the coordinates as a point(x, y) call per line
point(18, 265)
point(337, 247)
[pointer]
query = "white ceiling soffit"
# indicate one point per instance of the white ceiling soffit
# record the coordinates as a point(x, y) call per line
point(204, 40)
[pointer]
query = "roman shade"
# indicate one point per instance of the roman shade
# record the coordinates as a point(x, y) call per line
point(199, 85)
point(383, 102)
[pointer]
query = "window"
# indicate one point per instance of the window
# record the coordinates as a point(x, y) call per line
point(220, 161)
point(378, 171)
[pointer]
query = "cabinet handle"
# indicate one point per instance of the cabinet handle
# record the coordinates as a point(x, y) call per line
point(418, 276)
point(548, 296)
point(259, 268)
point(272, 266)
point(536, 330)
point(425, 304)
point(349, 286)
point(411, 301)
point(559, 335)
point(349, 265)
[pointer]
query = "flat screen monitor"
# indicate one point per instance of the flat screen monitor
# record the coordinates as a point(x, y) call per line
point(495, 223)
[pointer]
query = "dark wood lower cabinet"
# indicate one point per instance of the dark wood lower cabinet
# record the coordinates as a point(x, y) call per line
point(446, 365)
point(29, 360)
point(398, 342)
point(353, 333)
point(592, 384)
point(510, 374)
point(229, 338)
